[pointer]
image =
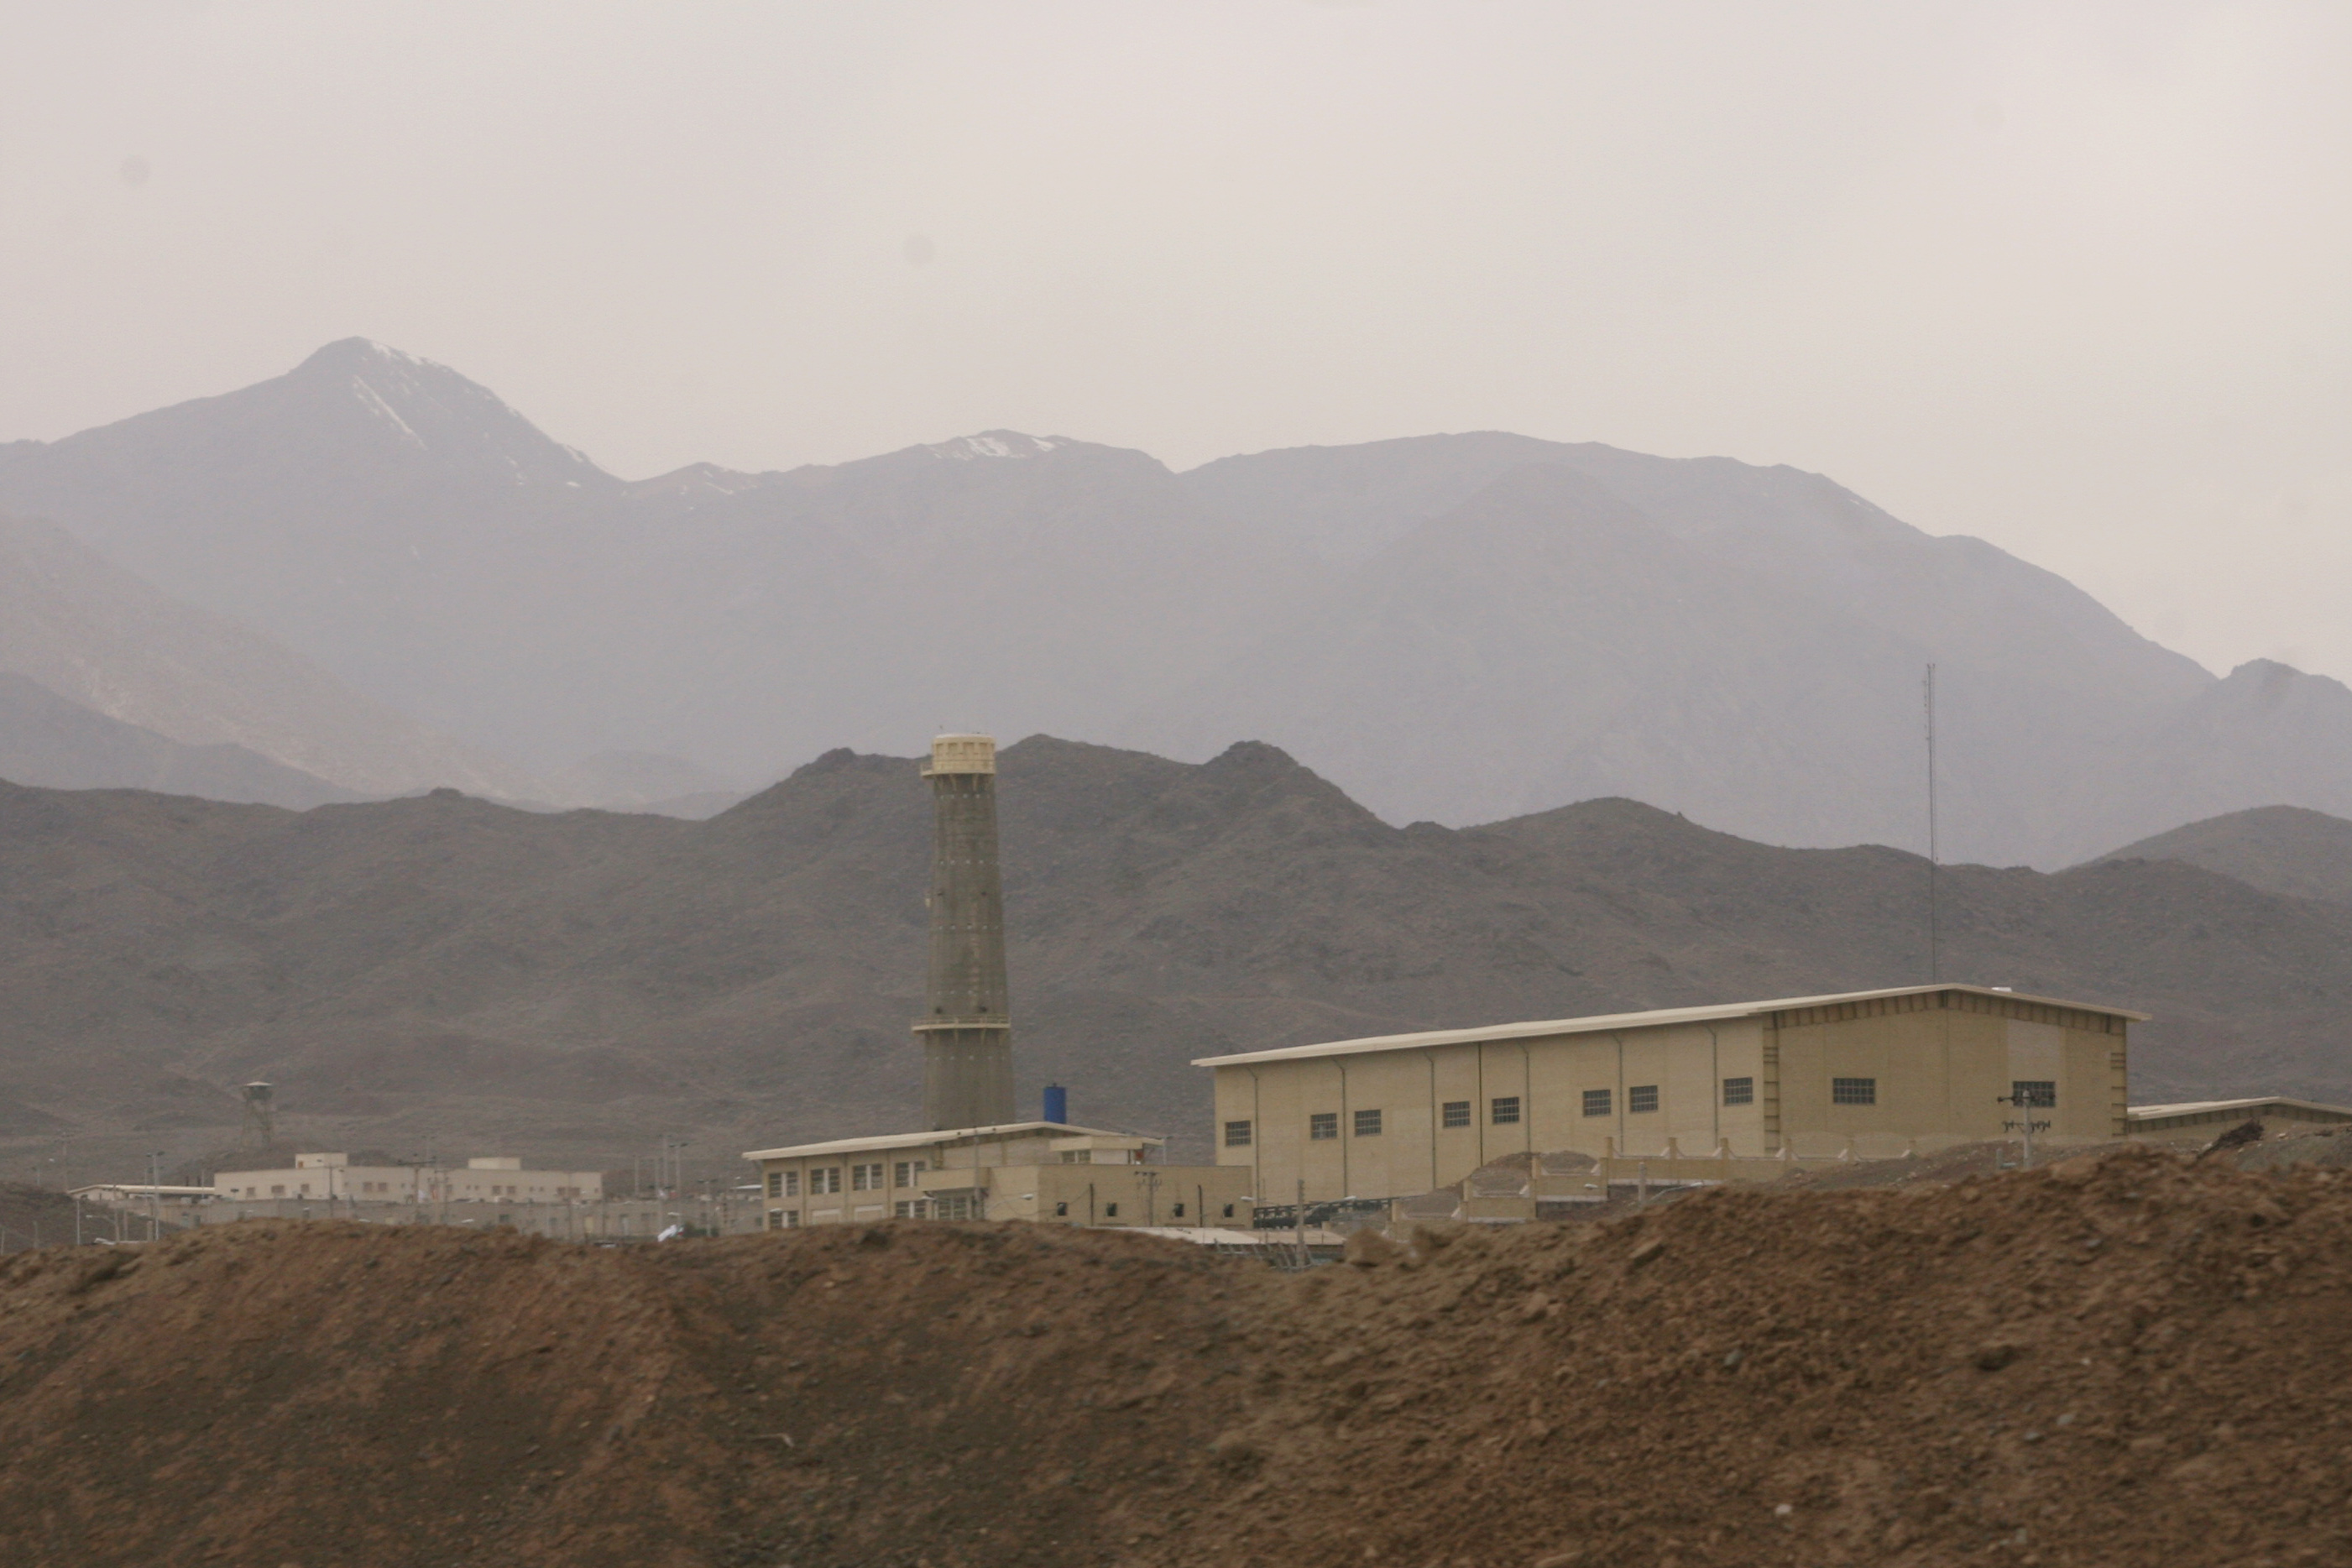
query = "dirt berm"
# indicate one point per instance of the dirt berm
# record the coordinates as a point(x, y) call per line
point(2133, 1360)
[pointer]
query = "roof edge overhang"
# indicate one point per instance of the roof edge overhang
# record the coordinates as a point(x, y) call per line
point(1654, 1019)
point(938, 1135)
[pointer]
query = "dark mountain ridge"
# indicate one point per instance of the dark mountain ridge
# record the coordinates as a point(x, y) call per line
point(571, 985)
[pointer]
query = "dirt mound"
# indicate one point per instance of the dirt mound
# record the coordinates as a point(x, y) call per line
point(2122, 1361)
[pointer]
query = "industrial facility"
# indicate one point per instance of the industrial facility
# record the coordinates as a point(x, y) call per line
point(976, 1162)
point(1686, 1091)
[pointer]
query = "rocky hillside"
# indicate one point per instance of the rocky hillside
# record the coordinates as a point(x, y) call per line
point(2279, 849)
point(2099, 1363)
point(571, 986)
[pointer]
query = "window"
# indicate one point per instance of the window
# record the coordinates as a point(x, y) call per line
point(1740, 1091)
point(825, 1179)
point(792, 1184)
point(1367, 1124)
point(1454, 1113)
point(775, 1184)
point(907, 1171)
point(277, 1192)
point(961, 1205)
point(1596, 1102)
point(1229, 1211)
point(1323, 1125)
point(2034, 1093)
point(1853, 1091)
point(1110, 1211)
point(784, 1219)
point(1179, 1211)
point(1061, 1211)
point(866, 1178)
point(1640, 1100)
point(1504, 1111)
point(1237, 1134)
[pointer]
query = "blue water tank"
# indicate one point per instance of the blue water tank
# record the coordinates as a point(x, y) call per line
point(1057, 1104)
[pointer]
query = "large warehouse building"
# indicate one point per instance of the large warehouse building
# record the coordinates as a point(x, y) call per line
point(1862, 1074)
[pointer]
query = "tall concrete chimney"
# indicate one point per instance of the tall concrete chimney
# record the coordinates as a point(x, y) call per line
point(967, 1027)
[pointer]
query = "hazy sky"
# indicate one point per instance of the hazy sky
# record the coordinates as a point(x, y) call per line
point(2072, 278)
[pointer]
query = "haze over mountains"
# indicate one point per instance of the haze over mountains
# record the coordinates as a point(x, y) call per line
point(87, 632)
point(567, 984)
point(1455, 627)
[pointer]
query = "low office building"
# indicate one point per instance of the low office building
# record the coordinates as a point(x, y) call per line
point(1861, 1075)
point(332, 1178)
point(1047, 1171)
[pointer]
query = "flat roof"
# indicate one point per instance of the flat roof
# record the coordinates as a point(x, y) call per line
point(944, 1135)
point(1604, 1022)
point(2206, 1107)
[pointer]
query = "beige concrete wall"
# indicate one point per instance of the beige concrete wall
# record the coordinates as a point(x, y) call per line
point(1937, 1072)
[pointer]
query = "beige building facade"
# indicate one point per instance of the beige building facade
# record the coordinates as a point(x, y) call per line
point(332, 1178)
point(1045, 1172)
point(1860, 1075)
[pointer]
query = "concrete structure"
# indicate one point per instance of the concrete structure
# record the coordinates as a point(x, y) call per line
point(976, 1162)
point(966, 1029)
point(1044, 1170)
point(332, 1178)
point(144, 1197)
point(2202, 1120)
point(1868, 1075)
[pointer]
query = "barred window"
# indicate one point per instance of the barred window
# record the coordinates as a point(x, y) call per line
point(2034, 1093)
point(907, 1208)
point(1367, 1124)
point(1641, 1099)
point(825, 1179)
point(907, 1171)
point(1596, 1102)
point(1454, 1113)
point(1323, 1125)
point(866, 1178)
point(1110, 1211)
point(1853, 1091)
point(784, 1219)
point(1237, 1134)
point(1740, 1091)
point(1504, 1110)
point(775, 1184)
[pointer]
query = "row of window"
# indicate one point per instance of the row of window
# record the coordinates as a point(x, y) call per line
point(1640, 1100)
point(825, 1179)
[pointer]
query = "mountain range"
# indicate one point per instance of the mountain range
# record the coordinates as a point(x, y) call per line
point(1457, 629)
point(444, 969)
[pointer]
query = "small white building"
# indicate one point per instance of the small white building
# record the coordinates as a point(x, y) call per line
point(331, 1178)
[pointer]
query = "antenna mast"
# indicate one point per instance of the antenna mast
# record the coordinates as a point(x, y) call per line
point(1935, 964)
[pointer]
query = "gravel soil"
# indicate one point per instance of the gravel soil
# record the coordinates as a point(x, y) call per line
point(2119, 1360)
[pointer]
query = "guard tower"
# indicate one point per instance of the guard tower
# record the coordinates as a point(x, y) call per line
point(967, 1027)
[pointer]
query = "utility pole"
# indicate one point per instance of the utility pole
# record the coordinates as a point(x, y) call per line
point(2025, 1099)
point(1935, 955)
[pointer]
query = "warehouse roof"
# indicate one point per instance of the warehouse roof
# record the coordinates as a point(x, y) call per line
point(2190, 1109)
point(1605, 1022)
point(938, 1135)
